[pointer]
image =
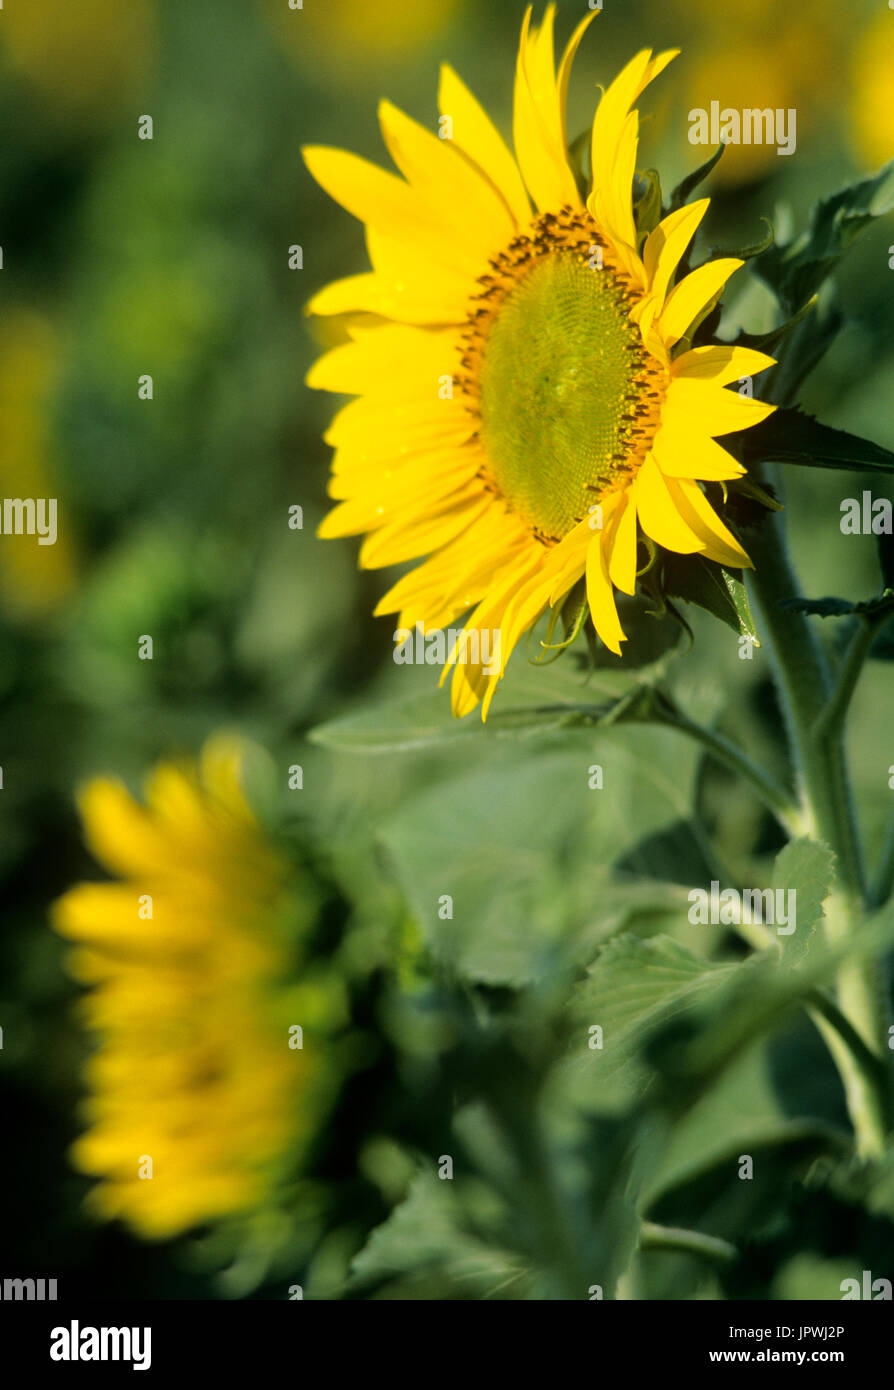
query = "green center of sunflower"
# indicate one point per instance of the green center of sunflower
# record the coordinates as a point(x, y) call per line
point(563, 390)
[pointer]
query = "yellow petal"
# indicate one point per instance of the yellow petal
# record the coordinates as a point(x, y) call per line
point(475, 134)
point(659, 514)
point(666, 245)
point(470, 682)
point(119, 832)
point(359, 476)
point(459, 575)
point(718, 541)
point(386, 359)
point(356, 294)
point(610, 201)
point(410, 241)
point(221, 768)
point(421, 286)
point(621, 542)
point(622, 181)
point(450, 188)
point(408, 539)
point(696, 290)
point(712, 408)
point(565, 69)
point(685, 453)
point(522, 612)
point(538, 124)
point(721, 364)
point(601, 597)
point(403, 500)
point(365, 190)
point(376, 426)
point(566, 562)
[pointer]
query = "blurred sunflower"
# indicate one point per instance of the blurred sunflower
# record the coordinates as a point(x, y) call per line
point(198, 1102)
point(34, 578)
point(872, 114)
point(529, 403)
point(109, 46)
point(343, 31)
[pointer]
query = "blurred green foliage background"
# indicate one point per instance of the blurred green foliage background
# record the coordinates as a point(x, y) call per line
point(123, 257)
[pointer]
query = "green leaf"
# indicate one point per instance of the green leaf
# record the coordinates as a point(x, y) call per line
point(791, 436)
point(819, 607)
point(427, 1232)
point(802, 350)
point(756, 998)
point(806, 868)
point(797, 270)
point(713, 587)
point(635, 986)
point(768, 342)
point(751, 249)
point(680, 195)
point(528, 851)
point(533, 700)
point(841, 607)
point(743, 1111)
point(877, 611)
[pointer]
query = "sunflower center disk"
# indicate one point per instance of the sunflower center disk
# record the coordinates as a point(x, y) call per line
point(564, 391)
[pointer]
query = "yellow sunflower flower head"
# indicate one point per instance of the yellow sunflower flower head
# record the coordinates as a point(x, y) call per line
point(529, 406)
point(202, 1094)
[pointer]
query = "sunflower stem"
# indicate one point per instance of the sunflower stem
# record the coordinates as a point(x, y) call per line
point(814, 710)
point(772, 793)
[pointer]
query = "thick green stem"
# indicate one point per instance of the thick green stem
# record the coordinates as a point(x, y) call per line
point(808, 695)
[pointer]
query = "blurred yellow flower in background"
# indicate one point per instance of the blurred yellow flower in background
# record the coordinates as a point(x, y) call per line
point(86, 58)
point(32, 576)
point(751, 75)
point(342, 30)
point(200, 1098)
point(766, 57)
point(872, 109)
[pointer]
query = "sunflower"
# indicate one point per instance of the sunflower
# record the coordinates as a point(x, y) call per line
point(197, 1101)
point(530, 405)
